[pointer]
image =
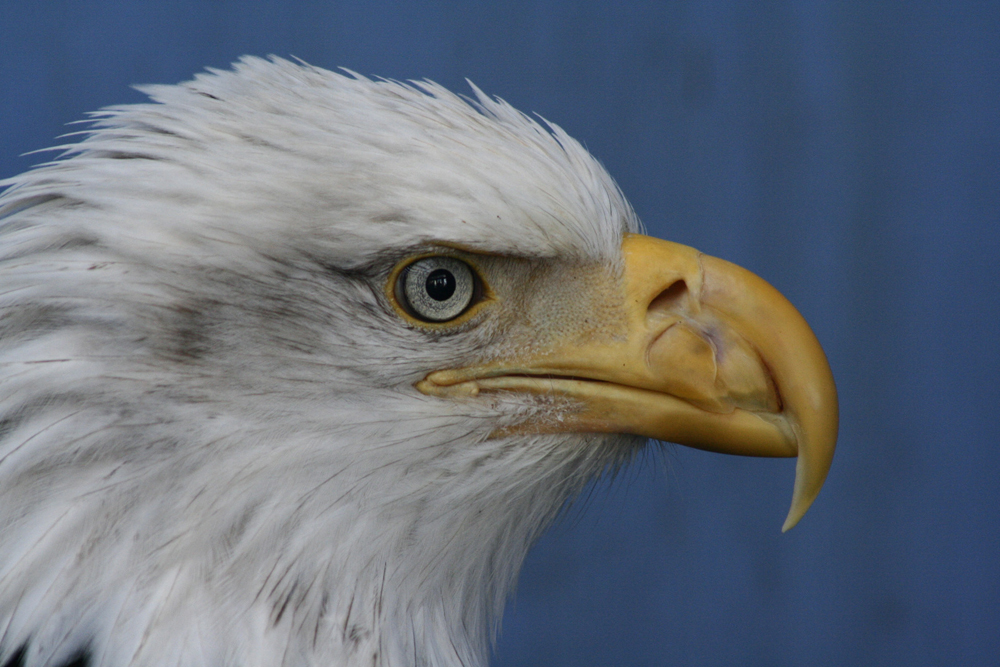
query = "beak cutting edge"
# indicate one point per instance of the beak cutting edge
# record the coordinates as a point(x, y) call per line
point(713, 357)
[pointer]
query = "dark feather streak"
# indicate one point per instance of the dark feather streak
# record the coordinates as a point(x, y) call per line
point(16, 659)
point(79, 658)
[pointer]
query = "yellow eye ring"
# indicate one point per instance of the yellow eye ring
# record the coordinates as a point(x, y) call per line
point(436, 290)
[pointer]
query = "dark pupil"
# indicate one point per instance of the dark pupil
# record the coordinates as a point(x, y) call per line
point(440, 284)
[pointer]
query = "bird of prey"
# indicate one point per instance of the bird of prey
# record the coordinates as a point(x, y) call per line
point(296, 365)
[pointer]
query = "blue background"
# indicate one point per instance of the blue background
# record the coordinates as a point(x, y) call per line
point(848, 152)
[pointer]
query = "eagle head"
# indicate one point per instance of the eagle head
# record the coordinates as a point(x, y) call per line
point(295, 366)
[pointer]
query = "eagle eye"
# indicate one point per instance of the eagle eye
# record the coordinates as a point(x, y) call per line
point(437, 289)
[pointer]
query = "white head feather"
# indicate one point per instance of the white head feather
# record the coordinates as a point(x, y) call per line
point(211, 450)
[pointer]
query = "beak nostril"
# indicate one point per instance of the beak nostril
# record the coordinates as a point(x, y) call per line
point(669, 299)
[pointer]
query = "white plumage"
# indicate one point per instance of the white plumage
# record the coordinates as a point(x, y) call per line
point(212, 449)
point(212, 452)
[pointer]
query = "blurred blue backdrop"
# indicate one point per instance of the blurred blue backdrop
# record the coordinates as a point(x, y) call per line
point(848, 152)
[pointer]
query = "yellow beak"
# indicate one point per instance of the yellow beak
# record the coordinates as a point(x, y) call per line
point(712, 357)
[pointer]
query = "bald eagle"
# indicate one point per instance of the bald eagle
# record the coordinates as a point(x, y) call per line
point(296, 365)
